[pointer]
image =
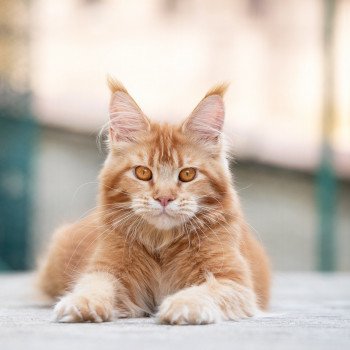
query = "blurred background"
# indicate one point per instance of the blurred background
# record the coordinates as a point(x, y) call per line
point(288, 110)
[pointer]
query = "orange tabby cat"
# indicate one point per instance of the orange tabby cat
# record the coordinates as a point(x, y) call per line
point(168, 236)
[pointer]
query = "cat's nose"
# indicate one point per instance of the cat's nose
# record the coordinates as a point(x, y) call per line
point(164, 201)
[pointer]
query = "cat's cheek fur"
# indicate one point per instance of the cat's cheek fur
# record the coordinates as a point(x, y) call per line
point(210, 302)
point(92, 299)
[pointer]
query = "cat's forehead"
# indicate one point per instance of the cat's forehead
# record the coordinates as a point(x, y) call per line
point(165, 148)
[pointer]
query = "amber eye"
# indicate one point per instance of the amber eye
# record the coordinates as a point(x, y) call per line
point(143, 173)
point(187, 174)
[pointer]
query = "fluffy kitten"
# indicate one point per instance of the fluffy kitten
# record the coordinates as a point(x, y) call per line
point(168, 236)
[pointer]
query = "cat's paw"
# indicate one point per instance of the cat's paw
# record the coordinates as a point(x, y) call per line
point(77, 308)
point(184, 309)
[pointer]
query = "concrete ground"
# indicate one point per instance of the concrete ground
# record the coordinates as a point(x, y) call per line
point(308, 311)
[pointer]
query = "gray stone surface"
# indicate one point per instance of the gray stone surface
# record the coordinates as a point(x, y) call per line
point(308, 311)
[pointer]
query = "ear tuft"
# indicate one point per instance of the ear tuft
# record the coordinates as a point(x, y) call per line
point(127, 120)
point(115, 85)
point(219, 89)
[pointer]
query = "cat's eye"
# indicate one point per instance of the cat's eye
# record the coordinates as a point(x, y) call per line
point(143, 173)
point(187, 174)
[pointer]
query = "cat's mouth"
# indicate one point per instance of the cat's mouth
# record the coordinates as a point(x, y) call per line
point(164, 217)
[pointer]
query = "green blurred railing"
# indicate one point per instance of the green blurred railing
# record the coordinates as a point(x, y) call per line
point(18, 138)
point(326, 179)
point(18, 135)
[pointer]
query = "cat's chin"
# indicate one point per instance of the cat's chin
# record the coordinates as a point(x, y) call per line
point(164, 221)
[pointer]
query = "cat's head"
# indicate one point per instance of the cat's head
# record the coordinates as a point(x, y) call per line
point(166, 176)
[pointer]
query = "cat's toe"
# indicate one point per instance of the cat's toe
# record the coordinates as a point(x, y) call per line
point(182, 311)
point(75, 308)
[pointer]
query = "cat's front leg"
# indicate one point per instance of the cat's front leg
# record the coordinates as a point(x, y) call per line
point(91, 300)
point(213, 301)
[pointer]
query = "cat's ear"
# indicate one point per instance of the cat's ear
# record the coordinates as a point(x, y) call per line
point(206, 121)
point(126, 118)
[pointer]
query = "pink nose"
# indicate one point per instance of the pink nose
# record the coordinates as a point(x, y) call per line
point(164, 201)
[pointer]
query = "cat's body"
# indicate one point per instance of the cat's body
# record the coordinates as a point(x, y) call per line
point(168, 235)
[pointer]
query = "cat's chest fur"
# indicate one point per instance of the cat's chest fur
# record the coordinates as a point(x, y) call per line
point(167, 272)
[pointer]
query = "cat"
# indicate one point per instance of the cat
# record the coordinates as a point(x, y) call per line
point(168, 237)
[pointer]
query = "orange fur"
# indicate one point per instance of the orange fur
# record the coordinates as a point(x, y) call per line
point(115, 85)
point(201, 267)
point(219, 89)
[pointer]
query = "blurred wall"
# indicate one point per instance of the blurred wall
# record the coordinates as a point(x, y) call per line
point(53, 62)
point(169, 52)
point(280, 205)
